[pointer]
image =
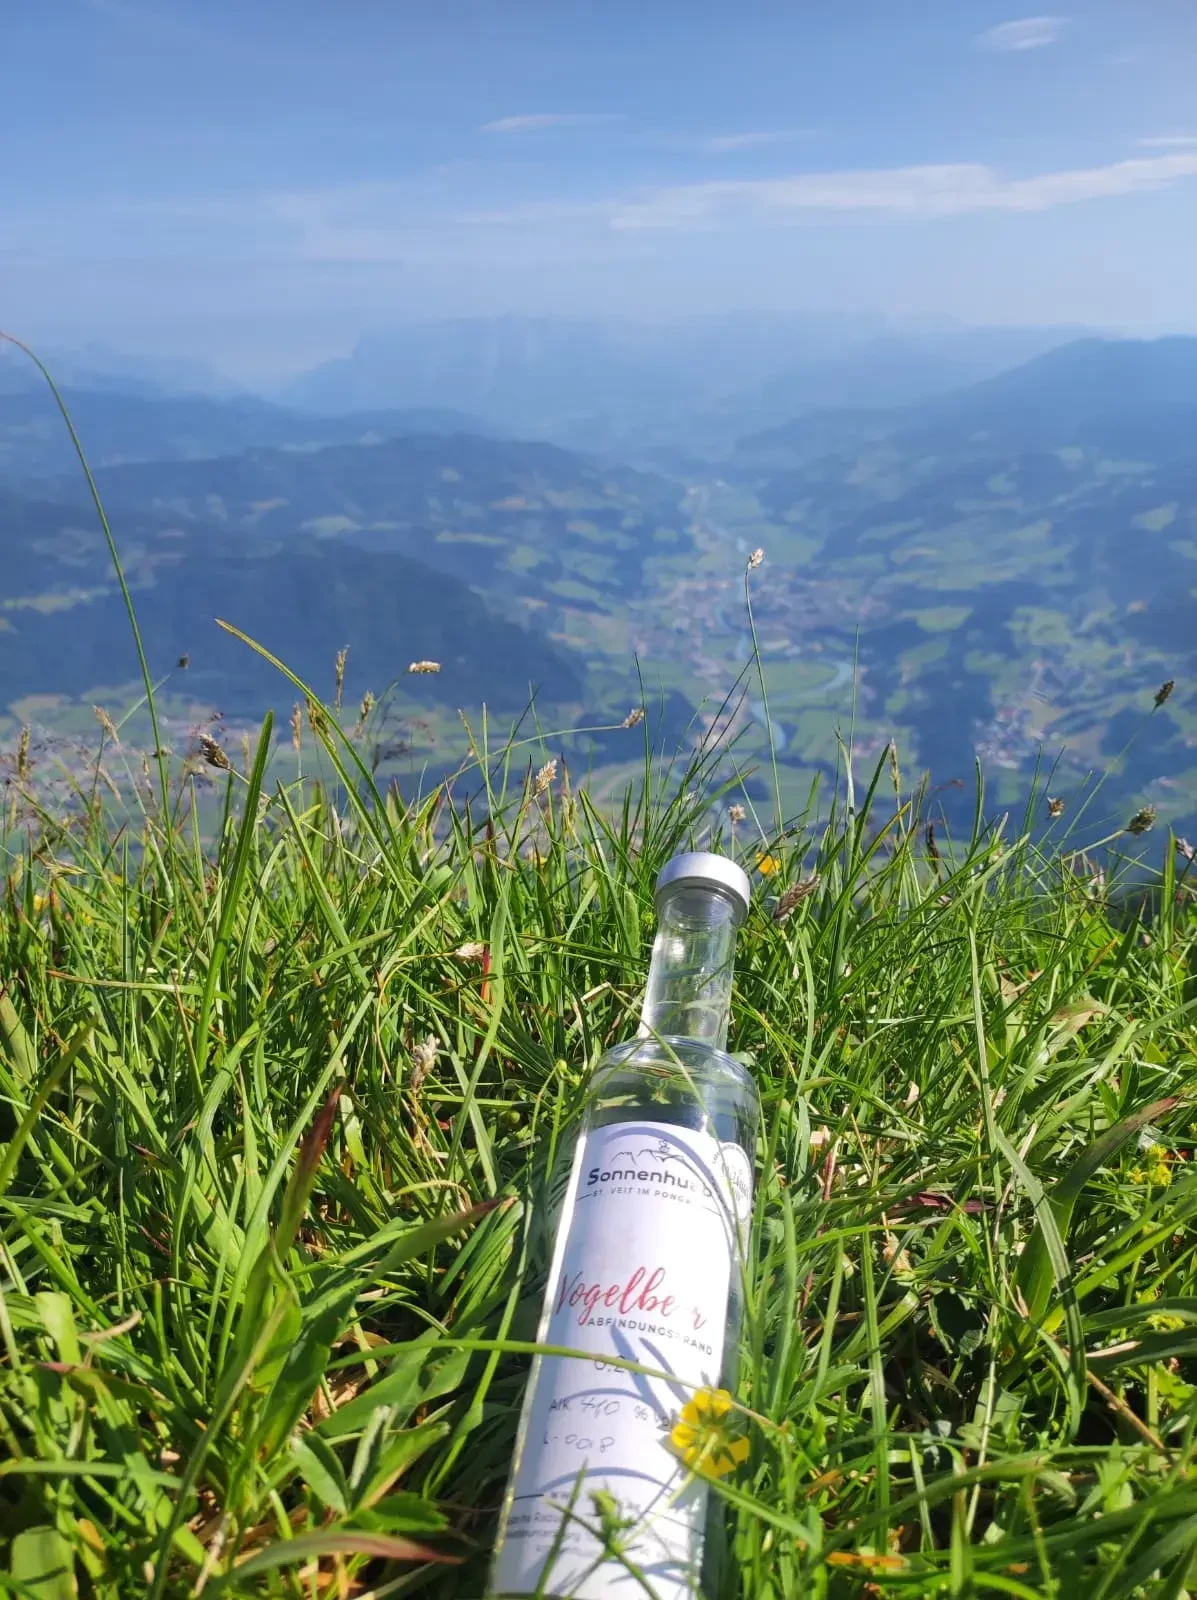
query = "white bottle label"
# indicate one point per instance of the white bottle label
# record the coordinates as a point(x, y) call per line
point(658, 1214)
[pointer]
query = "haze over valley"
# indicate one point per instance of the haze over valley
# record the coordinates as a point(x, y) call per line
point(1002, 570)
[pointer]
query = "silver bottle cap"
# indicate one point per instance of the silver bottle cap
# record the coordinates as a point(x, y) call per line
point(702, 869)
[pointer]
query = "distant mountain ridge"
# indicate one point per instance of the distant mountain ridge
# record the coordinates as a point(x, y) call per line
point(97, 366)
point(1120, 394)
point(621, 388)
point(695, 381)
point(120, 428)
point(1067, 390)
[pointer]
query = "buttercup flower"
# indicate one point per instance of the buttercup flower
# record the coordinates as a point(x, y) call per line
point(1159, 1173)
point(767, 865)
point(702, 1437)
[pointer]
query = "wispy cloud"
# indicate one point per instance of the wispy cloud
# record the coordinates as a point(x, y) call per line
point(895, 193)
point(1169, 141)
point(530, 121)
point(748, 141)
point(1026, 33)
point(412, 222)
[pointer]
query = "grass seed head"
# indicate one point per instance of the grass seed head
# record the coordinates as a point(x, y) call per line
point(423, 1059)
point(106, 723)
point(794, 896)
point(212, 753)
point(1142, 820)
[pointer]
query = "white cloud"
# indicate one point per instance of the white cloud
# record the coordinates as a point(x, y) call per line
point(747, 141)
point(888, 193)
point(532, 120)
point(903, 193)
point(413, 221)
point(1027, 33)
point(1169, 141)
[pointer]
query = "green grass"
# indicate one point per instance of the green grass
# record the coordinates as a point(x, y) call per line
point(275, 1146)
point(279, 1106)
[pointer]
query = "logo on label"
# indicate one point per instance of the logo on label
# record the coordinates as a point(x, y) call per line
point(653, 1163)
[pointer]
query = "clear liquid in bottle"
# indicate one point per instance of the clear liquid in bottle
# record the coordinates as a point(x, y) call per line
point(646, 1268)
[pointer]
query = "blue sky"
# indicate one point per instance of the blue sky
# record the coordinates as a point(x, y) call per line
point(258, 182)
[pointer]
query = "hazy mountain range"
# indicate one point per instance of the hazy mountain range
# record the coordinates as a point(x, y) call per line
point(117, 427)
point(1006, 568)
point(608, 384)
point(593, 385)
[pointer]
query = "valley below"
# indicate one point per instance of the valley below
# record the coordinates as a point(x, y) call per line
point(1005, 577)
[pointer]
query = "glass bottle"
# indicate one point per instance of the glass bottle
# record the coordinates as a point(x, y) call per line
point(646, 1268)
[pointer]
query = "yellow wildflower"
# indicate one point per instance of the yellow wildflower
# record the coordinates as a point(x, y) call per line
point(1137, 1175)
point(702, 1437)
point(767, 865)
point(1159, 1173)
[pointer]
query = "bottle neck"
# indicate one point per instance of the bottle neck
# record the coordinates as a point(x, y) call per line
point(688, 995)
